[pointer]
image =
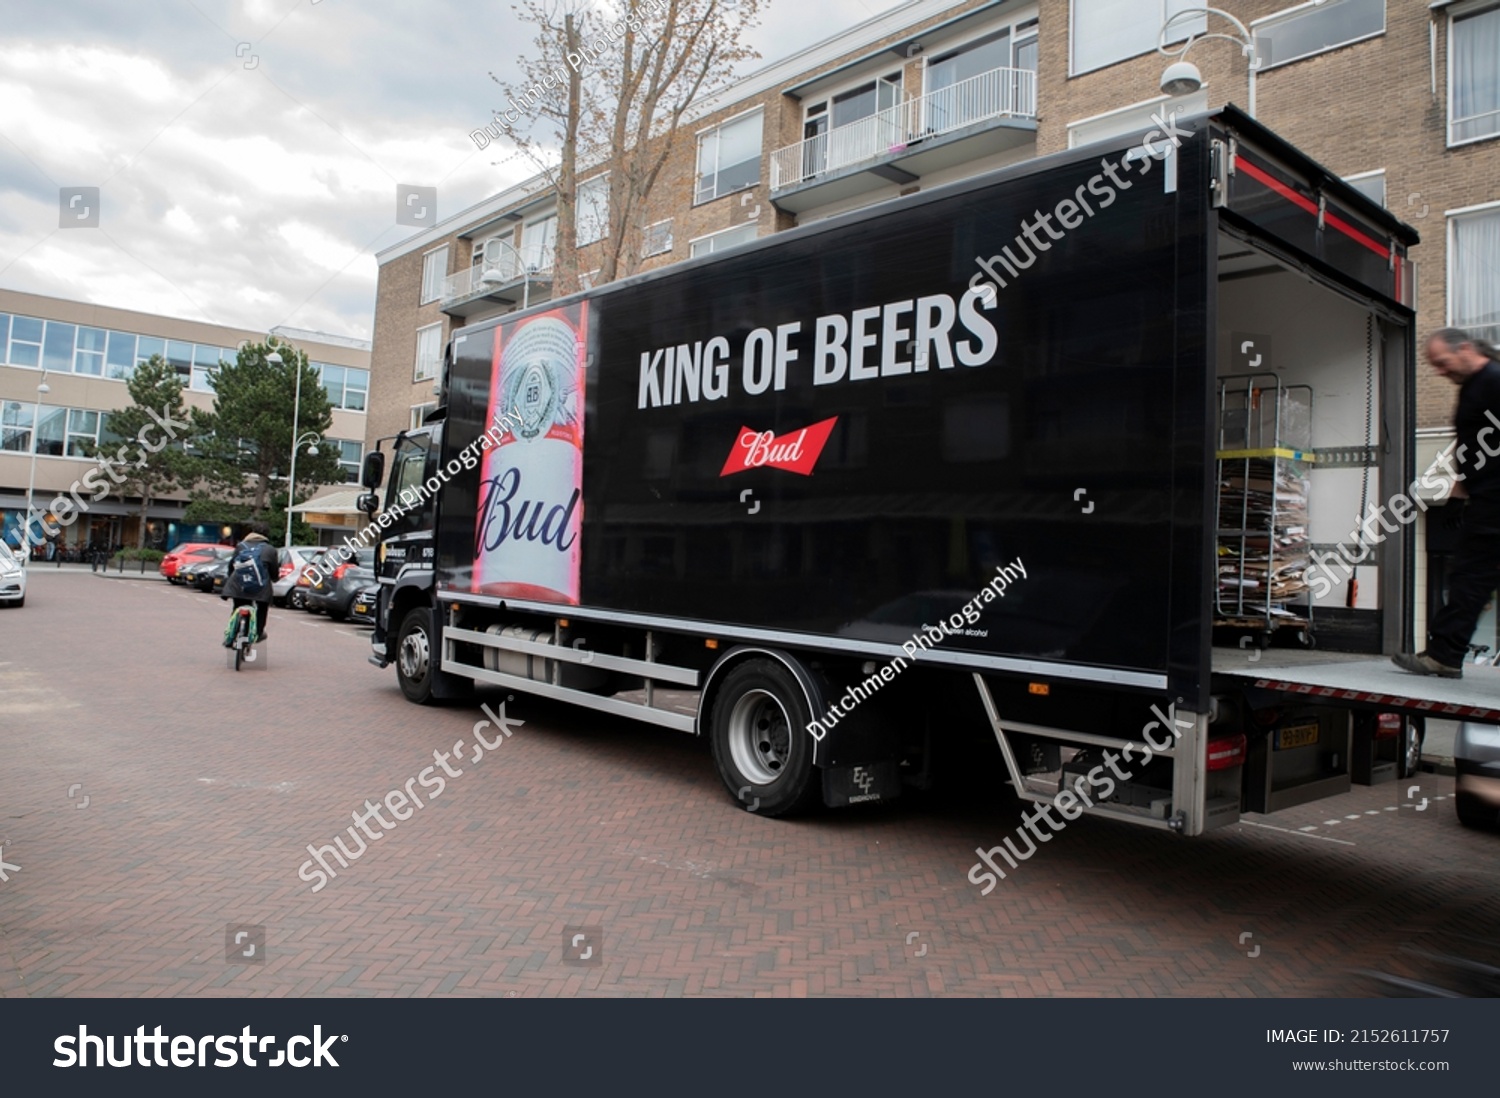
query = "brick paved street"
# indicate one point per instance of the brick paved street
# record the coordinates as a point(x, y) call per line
point(204, 788)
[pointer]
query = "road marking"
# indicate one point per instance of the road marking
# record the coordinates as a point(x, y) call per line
point(1298, 834)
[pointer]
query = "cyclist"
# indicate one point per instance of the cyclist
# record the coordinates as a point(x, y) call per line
point(240, 584)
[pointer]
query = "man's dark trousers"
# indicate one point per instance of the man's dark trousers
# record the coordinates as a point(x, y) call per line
point(1472, 579)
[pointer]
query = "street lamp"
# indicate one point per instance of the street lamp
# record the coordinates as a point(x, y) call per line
point(42, 389)
point(1182, 77)
point(298, 441)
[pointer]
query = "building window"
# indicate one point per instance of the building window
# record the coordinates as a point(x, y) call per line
point(1134, 119)
point(419, 413)
point(205, 363)
point(1473, 276)
point(1307, 29)
point(591, 211)
point(148, 347)
point(88, 355)
point(1107, 31)
point(180, 358)
point(25, 341)
point(729, 238)
point(57, 347)
point(351, 453)
point(83, 431)
point(729, 157)
point(587, 280)
point(346, 386)
point(119, 360)
point(656, 239)
point(1369, 184)
point(51, 431)
point(434, 270)
point(1474, 75)
point(15, 426)
point(539, 243)
point(429, 352)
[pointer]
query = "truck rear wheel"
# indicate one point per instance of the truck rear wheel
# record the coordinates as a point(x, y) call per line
point(414, 655)
point(760, 740)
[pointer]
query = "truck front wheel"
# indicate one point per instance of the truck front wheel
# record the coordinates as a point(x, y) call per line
point(414, 655)
point(760, 740)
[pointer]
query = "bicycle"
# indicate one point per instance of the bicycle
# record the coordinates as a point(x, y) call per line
point(241, 636)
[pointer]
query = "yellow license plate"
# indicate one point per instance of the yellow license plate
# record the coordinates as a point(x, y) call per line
point(360, 608)
point(1300, 735)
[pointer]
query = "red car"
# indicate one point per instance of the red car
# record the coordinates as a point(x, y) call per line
point(173, 560)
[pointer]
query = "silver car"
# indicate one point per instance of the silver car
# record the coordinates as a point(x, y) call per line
point(12, 577)
point(291, 561)
point(1476, 782)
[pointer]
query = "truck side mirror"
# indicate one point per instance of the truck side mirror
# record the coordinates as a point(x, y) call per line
point(372, 476)
point(368, 503)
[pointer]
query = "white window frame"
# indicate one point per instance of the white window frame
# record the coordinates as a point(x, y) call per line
point(586, 279)
point(1185, 29)
point(1455, 13)
point(722, 232)
point(433, 274)
point(437, 360)
point(1451, 216)
point(1359, 177)
point(528, 244)
point(698, 150)
point(1013, 30)
point(646, 251)
point(1258, 26)
point(579, 220)
point(1195, 103)
point(419, 413)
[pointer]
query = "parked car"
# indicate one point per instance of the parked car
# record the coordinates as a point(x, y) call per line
point(212, 577)
point(196, 565)
point(1476, 780)
point(173, 560)
point(293, 561)
point(335, 593)
point(296, 596)
point(12, 577)
point(364, 606)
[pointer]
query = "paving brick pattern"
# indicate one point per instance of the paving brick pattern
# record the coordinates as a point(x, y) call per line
point(205, 787)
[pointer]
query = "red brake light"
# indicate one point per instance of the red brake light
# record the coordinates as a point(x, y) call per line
point(338, 573)
point(1387, 725)
point(1226, 752)
point(286, 570)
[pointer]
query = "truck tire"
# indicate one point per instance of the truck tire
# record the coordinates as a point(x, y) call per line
point(414, 655)
point(760, 740)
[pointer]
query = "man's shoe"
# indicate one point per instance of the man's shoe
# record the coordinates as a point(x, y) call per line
point(1423, 664)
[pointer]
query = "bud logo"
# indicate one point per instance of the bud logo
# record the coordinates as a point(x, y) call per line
point(795, 451)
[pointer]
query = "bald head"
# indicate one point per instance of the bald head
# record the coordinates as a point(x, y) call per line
point(1454, 355)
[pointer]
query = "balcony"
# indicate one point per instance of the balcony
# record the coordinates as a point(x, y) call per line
point(977, 117)
point(505, 276)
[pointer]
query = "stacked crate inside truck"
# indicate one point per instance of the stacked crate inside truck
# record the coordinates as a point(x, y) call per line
point(1263, 540)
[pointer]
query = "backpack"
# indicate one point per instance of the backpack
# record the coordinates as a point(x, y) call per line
point(248, 569)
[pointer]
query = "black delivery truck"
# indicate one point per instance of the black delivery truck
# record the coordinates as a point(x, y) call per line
point(1056, 455)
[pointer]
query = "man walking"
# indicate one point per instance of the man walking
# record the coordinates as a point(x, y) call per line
point(1474, 366)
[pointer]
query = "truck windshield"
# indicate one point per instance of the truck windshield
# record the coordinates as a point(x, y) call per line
point(407, 497)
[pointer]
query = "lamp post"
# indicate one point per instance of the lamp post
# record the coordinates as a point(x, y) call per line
point(42, 389)
point(1182, 77)
point(297, 443)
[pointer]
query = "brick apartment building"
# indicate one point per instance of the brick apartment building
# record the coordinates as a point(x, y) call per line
point(1401, 97)
point(83, 353)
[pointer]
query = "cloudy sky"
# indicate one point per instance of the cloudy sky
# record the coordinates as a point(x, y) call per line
point(248, 151)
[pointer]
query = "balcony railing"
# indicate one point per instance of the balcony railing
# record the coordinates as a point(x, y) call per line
point(995, 94)
point(501, 266)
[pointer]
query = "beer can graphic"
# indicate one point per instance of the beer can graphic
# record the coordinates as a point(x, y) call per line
point(530, 513)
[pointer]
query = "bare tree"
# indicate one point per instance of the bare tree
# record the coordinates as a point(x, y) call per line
point(607, 89)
